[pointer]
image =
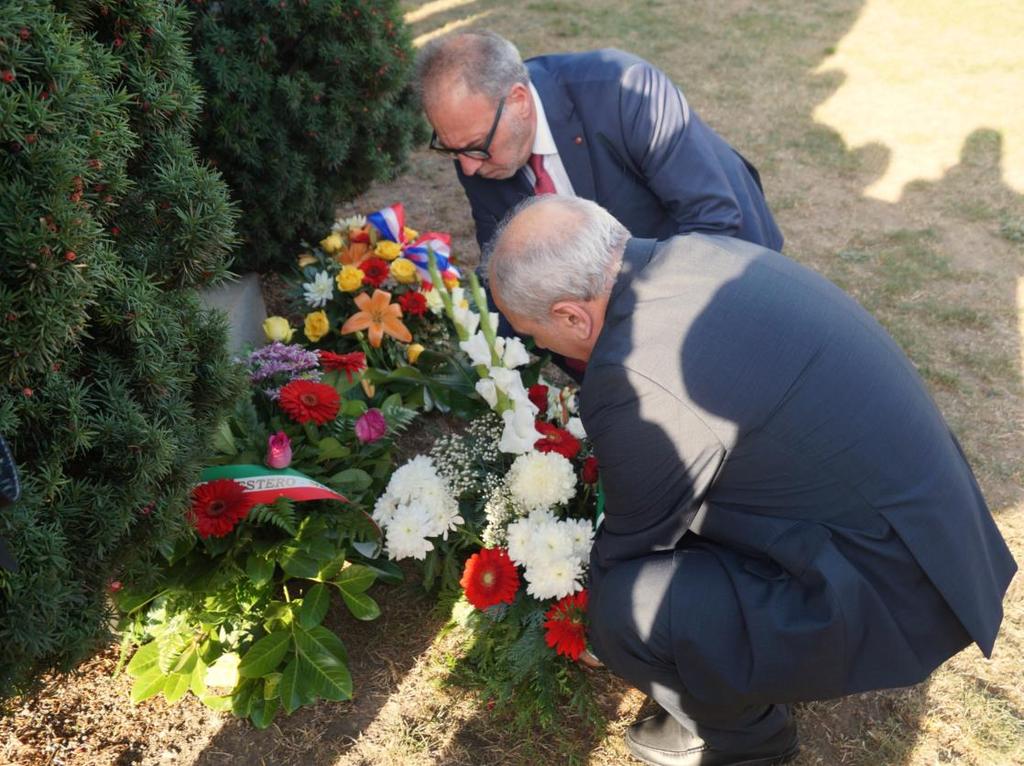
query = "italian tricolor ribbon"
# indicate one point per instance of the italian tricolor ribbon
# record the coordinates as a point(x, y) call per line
point(265, 485)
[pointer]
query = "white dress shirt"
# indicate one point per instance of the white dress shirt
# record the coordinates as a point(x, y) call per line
point(544, 144)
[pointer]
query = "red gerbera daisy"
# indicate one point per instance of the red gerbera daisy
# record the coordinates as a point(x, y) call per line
point(375, 271)
point(555, 439)
point(306, 400)
point(490, 578)
point(538, 394)
point(217, 506)
point(413, 303)
point(565, 626)
point(349, 363)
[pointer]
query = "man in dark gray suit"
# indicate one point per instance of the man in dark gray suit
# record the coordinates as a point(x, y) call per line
point(603, 125)
point(788, 516)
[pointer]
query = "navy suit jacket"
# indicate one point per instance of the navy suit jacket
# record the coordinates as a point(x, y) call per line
point(739, 401)
point(630, 142)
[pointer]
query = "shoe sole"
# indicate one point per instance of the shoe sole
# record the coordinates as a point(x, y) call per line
point(771, 760)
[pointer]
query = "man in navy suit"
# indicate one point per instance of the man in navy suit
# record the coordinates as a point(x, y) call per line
point(602, 125)
point(788, 517)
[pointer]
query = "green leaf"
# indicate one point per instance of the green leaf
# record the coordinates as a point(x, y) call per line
point(326, 672)
point(352, 479)
point(330, 642)
point(145, 659)
point(262, 711)
point(329, 570)
point(265, 655)
point(314, 607)
point(362, 606)
point(223, 672)
point(242, 697)
point(259, 569)
point(296, 562)
point(179, 679)
point(148, 684)
point(216, 702)
point(224, 440)
point(332, 449)
point(353, 408)
point(271, 685)
point(297, 686)
point(355, 578)
point(387, 572)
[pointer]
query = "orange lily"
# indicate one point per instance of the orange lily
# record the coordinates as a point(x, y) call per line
point(354, 254)
point(379, 315)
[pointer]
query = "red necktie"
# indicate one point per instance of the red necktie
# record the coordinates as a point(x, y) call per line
point(543, 184)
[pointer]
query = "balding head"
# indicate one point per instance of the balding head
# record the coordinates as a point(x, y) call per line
point(479, 63)
point(553, 248)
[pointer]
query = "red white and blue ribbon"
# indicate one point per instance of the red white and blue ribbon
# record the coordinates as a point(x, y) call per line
point(390, 222)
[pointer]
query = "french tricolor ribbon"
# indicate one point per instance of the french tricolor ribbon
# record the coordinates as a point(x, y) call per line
point(390, 222)
point(265, 485)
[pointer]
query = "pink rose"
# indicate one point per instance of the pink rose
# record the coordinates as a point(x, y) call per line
point(371, 426)
point(279, 451)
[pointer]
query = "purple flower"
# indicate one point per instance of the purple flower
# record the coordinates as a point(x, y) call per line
point(371, 426)
point(277, 363)
point(279, 451)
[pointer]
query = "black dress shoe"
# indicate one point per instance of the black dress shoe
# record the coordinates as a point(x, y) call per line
point(662, 741)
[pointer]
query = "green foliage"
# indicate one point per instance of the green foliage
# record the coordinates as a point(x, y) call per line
point(306, 104)
point(111, 373)
point(238, 620)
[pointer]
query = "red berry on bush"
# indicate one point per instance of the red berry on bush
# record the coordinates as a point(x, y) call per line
point(70, 255)
point(7, 76)
point(24, 33)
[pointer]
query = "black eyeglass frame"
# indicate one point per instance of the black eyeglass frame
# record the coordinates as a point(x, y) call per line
point(473, 152)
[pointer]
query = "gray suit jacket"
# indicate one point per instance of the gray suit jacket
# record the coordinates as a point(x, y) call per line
point(738, 400)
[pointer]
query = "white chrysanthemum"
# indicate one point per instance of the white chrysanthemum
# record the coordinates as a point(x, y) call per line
point(515, 353)
point(320, 290)
point(442, 508)
point(519, 536)
point(520, 432)
point(405, 538)
point(384, 509)
point(554, 578)
point(408, 481)
point(575, 427)
point(581, 532)
point(552, 539)
point(542, 479)
point(344, 225)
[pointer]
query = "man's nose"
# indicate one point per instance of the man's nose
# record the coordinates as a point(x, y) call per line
point(469, 165)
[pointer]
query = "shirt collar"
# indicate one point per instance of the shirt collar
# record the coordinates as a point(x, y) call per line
point(543, 140)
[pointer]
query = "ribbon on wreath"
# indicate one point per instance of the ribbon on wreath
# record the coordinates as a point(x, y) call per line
point(390, 222)
point(265, 485)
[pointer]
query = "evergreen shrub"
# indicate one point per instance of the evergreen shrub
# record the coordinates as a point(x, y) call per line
point(112, 375)
point(306, 103)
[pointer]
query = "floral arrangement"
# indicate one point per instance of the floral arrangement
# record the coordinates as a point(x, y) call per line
point(237, 616)
point(517, 491)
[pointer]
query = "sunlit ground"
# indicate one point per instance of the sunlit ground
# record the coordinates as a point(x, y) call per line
point(920, 76)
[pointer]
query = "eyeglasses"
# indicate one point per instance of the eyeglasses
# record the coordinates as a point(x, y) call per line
point(473, 152)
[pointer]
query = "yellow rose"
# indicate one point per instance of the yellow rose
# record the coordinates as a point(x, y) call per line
point(332, 243)
point(413, 352)
point(317, 325)
point(277, 328)
point(404, 271)
point(410, 234)
point(349, 279)
point(306, 260)
point(388, 250)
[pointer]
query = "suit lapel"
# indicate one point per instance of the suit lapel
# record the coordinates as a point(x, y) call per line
point(566, 128)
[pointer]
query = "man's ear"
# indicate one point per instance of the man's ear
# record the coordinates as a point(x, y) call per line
point(573, 318)
point(519, 100)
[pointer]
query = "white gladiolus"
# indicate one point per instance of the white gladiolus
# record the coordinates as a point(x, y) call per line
point(478, 350)
point(515, 353)
point(520, 433)
point(486, 388)
point(575, 427)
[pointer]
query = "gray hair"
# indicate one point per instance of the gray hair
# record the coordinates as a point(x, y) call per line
point(485, 62)
point(579, 259)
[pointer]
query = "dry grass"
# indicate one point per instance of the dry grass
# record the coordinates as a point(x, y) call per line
point(824, 98)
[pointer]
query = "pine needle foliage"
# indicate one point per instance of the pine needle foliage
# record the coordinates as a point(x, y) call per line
point(307, 103)
point(112, 375)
